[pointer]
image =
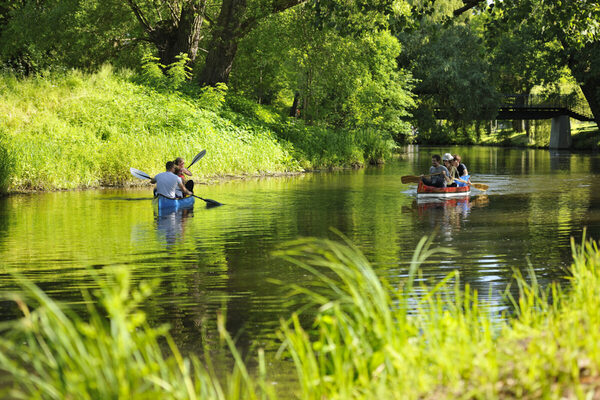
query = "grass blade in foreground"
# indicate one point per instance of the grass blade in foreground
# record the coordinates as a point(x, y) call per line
point(368, 340)
point(52, 353)
point(373, 342)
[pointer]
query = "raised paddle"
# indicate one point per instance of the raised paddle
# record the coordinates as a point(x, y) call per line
point(197, 157)
point(142, 175)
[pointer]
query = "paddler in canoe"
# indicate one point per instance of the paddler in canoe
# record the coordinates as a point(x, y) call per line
point(464, 178)
point(168, 182)
point(438, 174)
point(455, 179)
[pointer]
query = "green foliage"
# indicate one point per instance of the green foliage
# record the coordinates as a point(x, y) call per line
point(564, 33)
point(6, 165)
point(452, 75)
point(152, 71)
point(51, 352)
point(171, 77)
point(68, 34)
point(377, 146)
point(76, 130)
point(346, 82)
point(213, 97)
point(179, 72)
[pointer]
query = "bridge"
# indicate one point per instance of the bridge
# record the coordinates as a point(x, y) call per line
point(532, 107)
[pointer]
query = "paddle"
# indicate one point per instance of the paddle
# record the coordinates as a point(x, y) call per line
point(142, 175)
point(415, 179)
point(480, 186)
point(209, 202)
point(198, 157)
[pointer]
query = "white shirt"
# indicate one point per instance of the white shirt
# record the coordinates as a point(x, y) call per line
point(166, 183)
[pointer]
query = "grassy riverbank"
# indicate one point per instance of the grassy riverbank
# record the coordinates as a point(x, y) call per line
point(368, 340)
point(75, 130)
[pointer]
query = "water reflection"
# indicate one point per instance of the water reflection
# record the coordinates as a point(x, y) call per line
point(171, 225)
point(448, 215)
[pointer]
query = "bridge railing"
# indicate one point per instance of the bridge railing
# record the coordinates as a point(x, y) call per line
point(527, 101)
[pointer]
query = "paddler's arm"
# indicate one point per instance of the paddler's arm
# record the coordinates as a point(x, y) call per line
point(184, 189)
point(186, 171)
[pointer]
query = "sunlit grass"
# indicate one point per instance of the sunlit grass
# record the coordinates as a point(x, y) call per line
point(52, 353)
point(367, 340)
point(75, 130)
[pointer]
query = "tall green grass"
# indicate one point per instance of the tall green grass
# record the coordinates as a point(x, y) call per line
point(80, 130)
point(52, 353)
point(368, 339)
point(72, 130)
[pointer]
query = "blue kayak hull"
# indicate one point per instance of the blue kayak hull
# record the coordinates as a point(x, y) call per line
point(165, 204)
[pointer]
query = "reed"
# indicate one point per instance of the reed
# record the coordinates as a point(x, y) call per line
point(52, 353)
point(417, 341)
point(368, 339)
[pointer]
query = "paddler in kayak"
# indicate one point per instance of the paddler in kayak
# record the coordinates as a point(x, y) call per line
point(182, 171)
point(167, 182)
point(438, 174)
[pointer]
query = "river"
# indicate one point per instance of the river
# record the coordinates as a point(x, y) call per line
point(221, 258)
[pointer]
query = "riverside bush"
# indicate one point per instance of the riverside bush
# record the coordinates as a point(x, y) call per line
point(71, 130)
point(368, 340)
point(74, 130)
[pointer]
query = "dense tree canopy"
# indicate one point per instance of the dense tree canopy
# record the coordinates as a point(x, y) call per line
point(565, 33)
point(346, 63)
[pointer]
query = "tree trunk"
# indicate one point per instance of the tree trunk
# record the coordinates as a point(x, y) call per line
point(177, 34)
point(230, 27)
point(223, 46)
point(173, 38)
point(591, 91)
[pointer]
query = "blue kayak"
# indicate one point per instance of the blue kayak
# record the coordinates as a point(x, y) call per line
point(166, 204)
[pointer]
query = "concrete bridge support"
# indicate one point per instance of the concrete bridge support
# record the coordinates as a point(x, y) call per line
point(560, 132)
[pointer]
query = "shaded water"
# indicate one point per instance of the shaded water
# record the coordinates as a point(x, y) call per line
point(220, 258)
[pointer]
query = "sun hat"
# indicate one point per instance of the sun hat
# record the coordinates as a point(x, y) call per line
point(447, 157)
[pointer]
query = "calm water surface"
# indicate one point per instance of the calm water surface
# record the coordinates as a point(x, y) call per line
point(220, 258)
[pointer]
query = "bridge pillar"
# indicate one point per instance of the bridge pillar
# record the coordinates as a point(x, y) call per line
point(560, 132)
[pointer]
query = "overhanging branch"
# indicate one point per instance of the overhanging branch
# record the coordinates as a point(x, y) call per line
point(469, 4)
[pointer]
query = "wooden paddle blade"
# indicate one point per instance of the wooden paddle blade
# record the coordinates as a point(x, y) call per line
point(198, 157)
point(410, 179)
point(480, 186)
point(139, 174)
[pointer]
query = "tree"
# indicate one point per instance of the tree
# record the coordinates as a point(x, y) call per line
point(348, 81)
point(569, 33)
point(236, 19)
point(444, 51)
point(66, 33)
point(172, 26)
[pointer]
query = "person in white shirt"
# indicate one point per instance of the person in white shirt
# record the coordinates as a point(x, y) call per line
point(167, 182)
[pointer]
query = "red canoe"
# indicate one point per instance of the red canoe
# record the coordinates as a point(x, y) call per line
point(430, 191)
